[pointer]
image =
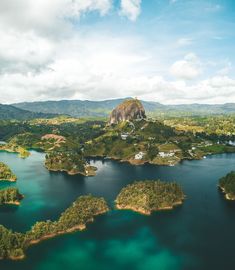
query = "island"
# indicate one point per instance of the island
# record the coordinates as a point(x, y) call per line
point(227, 185)
point(10, 196)
point(6, 174)
point(74, 218)
point(149, 195)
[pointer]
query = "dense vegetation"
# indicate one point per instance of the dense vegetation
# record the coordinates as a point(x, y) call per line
point(146, 137)
point(217, 127)
point(11, 112)
point(70, 161)
point(11, 244)
point(147, 196)
point(85, 108)
point(227, 184)
point(15, 148)
point(161, 142)
point(28, 133)
point(6, 173)
point(10, 196)
point(81, 212)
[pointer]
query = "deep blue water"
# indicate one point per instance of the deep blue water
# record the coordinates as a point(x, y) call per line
point(197, 235)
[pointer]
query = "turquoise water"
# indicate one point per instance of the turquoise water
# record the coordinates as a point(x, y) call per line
point(197, 235)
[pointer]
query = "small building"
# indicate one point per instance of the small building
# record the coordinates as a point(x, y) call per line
point(164, 154)
point(124, 136)
point(139, 156)
point(231, 143)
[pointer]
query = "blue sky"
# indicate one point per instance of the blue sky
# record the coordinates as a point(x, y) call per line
point(170, 51)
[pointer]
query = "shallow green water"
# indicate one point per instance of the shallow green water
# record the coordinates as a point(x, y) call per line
point(197, 235)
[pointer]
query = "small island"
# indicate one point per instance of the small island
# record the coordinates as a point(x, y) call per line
point(74, 218)
point(10, 196)
point(227, 185)
point(6, 174)
point(148, 196)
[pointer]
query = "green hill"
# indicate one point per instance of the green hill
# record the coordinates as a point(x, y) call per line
point(86, 108)
point(8, 112)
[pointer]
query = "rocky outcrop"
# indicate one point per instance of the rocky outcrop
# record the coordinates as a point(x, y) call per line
point(127, 111)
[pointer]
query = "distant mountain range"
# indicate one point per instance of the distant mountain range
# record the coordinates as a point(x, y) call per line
point(85, 108)
point(11, 112)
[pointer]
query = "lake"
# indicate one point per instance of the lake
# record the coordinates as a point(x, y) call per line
point(197, 235)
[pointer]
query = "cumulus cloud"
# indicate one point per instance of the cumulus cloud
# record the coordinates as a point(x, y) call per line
point(24, 52)
point(47, 16)
point(187, 69)
point(43, 57)
point(131, 9)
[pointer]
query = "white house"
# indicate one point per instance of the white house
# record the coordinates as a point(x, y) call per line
point(139, 156)
point(124, 136)
point(163, 154)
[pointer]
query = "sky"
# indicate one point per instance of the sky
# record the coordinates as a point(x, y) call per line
point(168, 51)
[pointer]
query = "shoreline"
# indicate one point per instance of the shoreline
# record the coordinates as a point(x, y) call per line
point(145, 212)
point(11, 203)
point(137, 162)
point(80, 227)
point(8, 180)
point(8, 150)
point(71, 173)
point(17, 203)
point(226, 195)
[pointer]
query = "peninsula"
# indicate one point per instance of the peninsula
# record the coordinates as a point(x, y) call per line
point(74, 218)
point(227, 185)
point(70, 162)
point(148, 196)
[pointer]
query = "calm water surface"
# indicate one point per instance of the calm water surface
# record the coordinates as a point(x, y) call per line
point(197, 235)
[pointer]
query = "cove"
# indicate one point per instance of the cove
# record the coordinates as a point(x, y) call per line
point(197, 235)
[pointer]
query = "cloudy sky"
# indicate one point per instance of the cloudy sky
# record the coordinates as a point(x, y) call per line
point(170, 51)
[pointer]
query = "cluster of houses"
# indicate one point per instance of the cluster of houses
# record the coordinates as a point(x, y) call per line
point(166, 154)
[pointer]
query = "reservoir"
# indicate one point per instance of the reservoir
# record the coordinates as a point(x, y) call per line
point(197, 235)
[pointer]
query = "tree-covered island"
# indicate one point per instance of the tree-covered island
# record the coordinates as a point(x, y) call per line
point(10, 196)
point(74, 218)
point(227, 185)
point(6, 174)
point(148, 196)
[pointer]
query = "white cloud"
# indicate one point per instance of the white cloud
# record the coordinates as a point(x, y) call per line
point(187, 69)
point(43, 57)
point(24, 52)
point(47, 17)
point(217, 89)
point(131, 9)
